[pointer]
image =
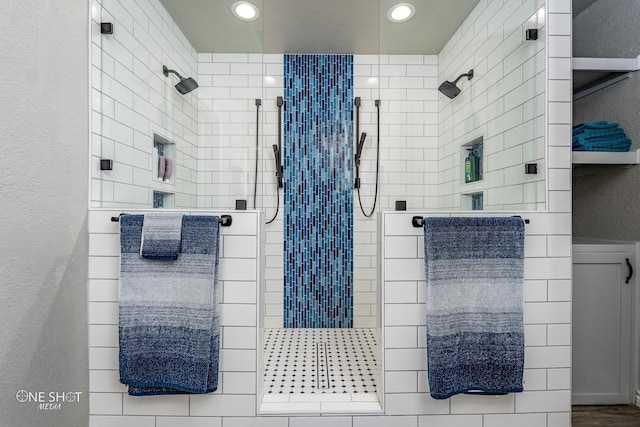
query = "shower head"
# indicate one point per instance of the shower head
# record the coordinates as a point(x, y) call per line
point(185, 85)
point(449, 89)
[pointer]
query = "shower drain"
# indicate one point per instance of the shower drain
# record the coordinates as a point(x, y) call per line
point(322, 367)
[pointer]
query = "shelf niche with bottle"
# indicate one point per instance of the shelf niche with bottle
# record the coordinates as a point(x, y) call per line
point(472, 161)
point(472, 168)
point(163, 167)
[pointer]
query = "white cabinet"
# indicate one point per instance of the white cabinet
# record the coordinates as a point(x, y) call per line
point(602, 324)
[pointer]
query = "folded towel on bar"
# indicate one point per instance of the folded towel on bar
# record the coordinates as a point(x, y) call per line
point(475, 330)
point(161, 236)
point(169, 331)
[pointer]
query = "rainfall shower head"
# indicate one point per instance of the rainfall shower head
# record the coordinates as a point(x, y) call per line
point(185, 85)
point(450, 89)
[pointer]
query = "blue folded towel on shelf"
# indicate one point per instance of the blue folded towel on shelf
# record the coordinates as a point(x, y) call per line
point(169, 327)
point(595, 126)
point(619, 144)
point(600, 136)
point(161, 236)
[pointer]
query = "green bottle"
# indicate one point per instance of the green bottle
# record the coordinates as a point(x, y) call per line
point(471, 164)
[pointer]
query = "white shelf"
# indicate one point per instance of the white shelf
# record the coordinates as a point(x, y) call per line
point(605, 158)
point(618, 65)
point(594, 74)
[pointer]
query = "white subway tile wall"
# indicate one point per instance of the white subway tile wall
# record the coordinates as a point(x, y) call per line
point(273, 69)
point(547, 335)
point(131, 100)
point(546, 399)
point(238, 354)
point(503, 103)
point(230, 84)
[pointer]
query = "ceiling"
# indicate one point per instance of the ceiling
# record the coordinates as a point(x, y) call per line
point(319, 26)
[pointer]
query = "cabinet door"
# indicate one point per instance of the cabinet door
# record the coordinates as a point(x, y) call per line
point(601, 329)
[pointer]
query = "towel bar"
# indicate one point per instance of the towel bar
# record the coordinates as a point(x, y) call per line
point(225, 220)
point(418, 221)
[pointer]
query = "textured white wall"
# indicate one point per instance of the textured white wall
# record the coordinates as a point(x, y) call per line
point(606, 204)
point(43, 254)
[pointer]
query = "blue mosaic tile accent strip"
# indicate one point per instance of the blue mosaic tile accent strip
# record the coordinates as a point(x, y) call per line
point(318, 195)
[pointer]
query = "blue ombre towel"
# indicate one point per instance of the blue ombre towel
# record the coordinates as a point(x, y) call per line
point(169, 321)
point(475, 330)
point(161, 235)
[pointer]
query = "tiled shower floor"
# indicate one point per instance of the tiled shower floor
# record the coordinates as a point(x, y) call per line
point(320, 370)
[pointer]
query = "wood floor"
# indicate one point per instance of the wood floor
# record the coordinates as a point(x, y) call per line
point(605, 416)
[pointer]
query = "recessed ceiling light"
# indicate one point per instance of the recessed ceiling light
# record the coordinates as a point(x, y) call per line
point(245, 10)
point(401, 12)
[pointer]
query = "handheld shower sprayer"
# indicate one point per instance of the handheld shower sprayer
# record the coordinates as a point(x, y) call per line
point(277, 149)
point(359, 147)
point(279, 169)
point(277, 155)
point(356, 158)
point(358, 155)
